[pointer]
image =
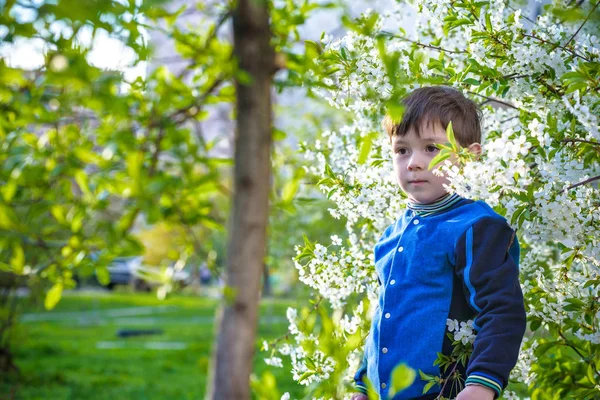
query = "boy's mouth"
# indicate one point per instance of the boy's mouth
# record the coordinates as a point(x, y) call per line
point(417, 181)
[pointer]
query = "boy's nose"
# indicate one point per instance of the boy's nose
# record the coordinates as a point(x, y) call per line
point(416, 162)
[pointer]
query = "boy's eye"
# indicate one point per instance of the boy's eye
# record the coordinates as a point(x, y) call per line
point(432, 148)
point(401, 151)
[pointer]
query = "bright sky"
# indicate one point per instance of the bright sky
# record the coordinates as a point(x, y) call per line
point(106, 53)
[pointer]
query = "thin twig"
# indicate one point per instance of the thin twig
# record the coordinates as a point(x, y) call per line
point(577, 351)
point(583, 23)
point(509, 119)
point(211, 36)
point(592, 179)
point(429, 46)
point(580, 141)
point(491, 99)
point(557, 45)
point(446, 380)
point(515, 76)
point(182, 111)
point(525, 17)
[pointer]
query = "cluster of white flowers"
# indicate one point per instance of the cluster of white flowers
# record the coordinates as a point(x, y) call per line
point(462, 331)
point(494, 176)
point(510, 395)
point(522, 371)
point(337, 274)
point(320, 369)
point(582, 109)
point(274, 362)
point(350, 325)
point(527, 172)
point(306, 368)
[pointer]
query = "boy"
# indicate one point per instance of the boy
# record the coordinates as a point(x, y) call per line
point(446, 257)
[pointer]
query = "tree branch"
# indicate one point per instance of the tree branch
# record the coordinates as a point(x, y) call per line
point(568, 140)
point(491, 99)
point(211, 36)
point(592, 179)
point(583, 23)
point(556, 45)
point(509, 119)
point(578, 352)
point(446, 380)
point(428, 46)
point(515, 76)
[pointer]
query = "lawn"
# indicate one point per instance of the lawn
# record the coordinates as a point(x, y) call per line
point(74, 351)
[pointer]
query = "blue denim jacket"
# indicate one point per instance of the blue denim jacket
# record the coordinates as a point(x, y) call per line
point(460, 263)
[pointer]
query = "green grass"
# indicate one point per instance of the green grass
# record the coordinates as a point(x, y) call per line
point(61, 356)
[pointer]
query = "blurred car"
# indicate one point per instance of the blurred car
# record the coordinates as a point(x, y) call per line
point(131, 271)
point(147, 277)
point(123, 270)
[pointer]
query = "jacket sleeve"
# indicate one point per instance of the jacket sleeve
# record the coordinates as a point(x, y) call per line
point(360, 373)
point(487, 263)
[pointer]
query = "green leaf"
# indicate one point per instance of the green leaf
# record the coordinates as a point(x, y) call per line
point(428, 386)
point(591, 373)
point(17, 260)
point(451, 138)
point(574, 304)
point(278, 135)
point(103, 275)
point(58, 213)
point(53, 296)
point(402, 377)
point(472, 81)
point(329, 172)
point(574, 76)
point(8, 220)
point(305, 375)
point(440, 157)
point(135, 161)
point(289, 190)
point(488, 22)
point(462, 21)
point(8, 191)
point(313, 50)
point(365, 149)
point(394, 109)
point(82, 180)
point(372, 391)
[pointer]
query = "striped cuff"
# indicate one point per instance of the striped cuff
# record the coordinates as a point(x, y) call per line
point(361, 387)
point(479, 378)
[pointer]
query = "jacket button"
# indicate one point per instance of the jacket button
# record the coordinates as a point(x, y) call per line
point(383, 385)
point(416, 222)
point(400, 249)
point(387, 315)
point(384, 350)
point(392, 282)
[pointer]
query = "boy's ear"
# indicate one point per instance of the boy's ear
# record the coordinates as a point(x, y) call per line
point(476, 149)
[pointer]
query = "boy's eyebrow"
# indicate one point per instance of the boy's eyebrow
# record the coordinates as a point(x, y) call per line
point(425, 139)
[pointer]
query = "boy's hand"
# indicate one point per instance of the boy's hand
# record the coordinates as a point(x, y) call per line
point(474, 392)
point(359, 396)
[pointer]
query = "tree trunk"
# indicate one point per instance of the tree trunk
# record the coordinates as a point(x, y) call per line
point(232, 361)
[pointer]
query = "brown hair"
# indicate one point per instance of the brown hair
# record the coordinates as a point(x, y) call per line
point(438, 105)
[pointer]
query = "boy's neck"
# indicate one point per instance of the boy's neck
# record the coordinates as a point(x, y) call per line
point(436, 206)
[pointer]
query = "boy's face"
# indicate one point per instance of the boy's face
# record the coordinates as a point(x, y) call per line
point(412, 155)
